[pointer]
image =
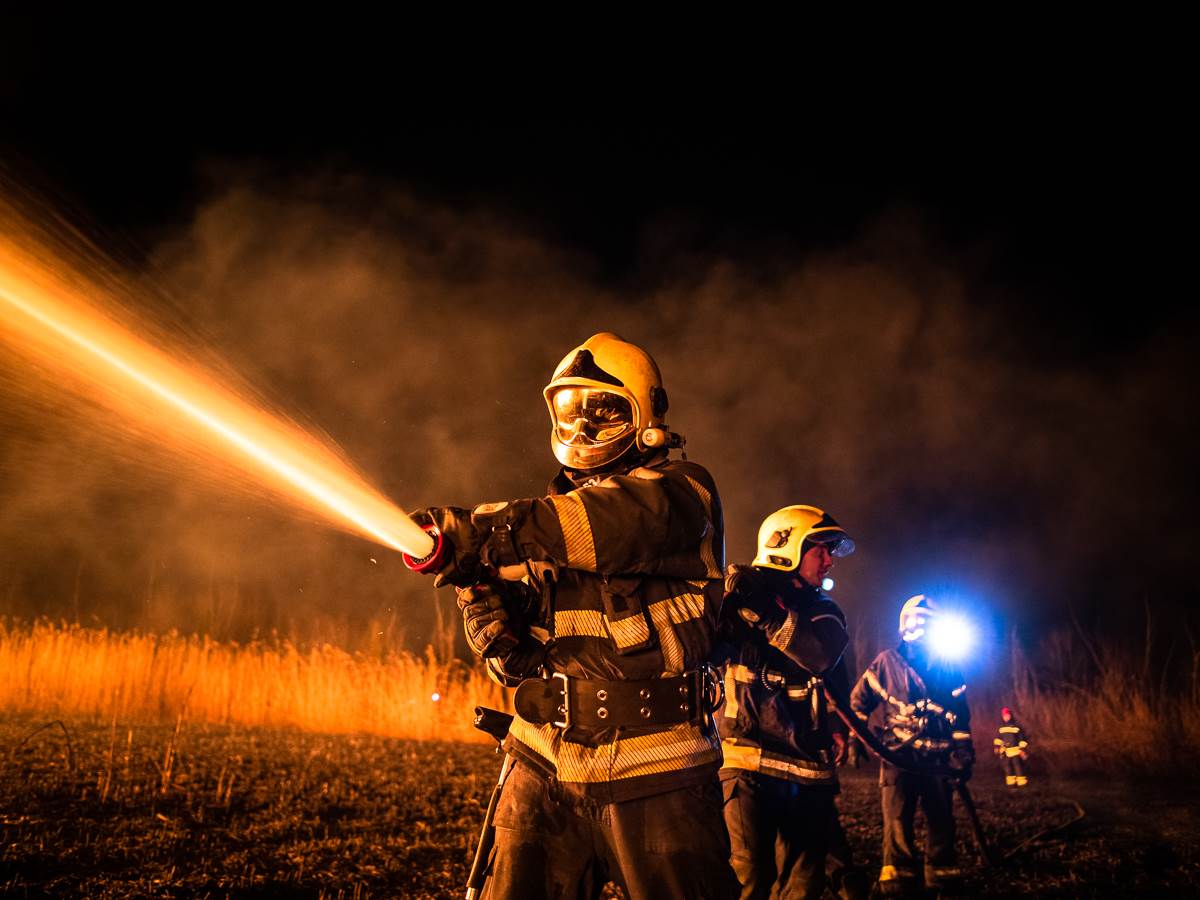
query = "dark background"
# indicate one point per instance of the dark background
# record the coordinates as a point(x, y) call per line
point(956, 323)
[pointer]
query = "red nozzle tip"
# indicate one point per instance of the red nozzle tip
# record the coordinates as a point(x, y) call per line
point(433, 562)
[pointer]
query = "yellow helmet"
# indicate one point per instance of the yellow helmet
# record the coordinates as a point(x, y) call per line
point(605, 397)
point(782, 535)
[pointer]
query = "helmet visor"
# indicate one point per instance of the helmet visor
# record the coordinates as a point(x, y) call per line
point(838, 543)
point(591, 425)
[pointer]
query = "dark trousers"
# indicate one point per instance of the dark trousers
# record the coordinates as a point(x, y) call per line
point(779, 832)
point(902, 791)
point(846, 880)
point(1014, 766)
point(551, 845)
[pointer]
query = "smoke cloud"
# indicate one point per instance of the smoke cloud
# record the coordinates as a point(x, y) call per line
point(877, 380)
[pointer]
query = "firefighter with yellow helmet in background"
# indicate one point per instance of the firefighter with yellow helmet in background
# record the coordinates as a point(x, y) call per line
point(607, 642)
point(915, 700)
point(781, 634)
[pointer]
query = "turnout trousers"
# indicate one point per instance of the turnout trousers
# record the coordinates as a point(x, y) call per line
point(901, 792)
point(555, 845)
point(779, 831)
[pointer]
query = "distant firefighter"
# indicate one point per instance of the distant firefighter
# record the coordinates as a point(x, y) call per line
point(1012, 746)
point(616, 753)
point(779, 635)
point(915, 700)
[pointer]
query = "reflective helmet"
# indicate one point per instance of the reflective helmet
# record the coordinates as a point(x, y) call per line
point(606, 396)
point(915, 615)
point(783, 536)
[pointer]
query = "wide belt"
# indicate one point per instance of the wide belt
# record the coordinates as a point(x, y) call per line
point(596, 704)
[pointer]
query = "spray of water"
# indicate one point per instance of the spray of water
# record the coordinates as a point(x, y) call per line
point(61, 317)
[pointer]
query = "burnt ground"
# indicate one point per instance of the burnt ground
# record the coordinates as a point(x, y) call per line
point(224, 812)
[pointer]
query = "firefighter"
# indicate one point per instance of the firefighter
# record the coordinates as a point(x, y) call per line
point(1013, 747)
point(780, 633)
point(916, 702)
point(606, 641)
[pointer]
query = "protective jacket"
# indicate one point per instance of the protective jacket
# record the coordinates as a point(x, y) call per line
point(917, 707)
point(773, 719)
point(1011, 740)
point(637, 594)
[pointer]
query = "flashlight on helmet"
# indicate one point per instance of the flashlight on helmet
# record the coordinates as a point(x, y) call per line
point(946, 634)
point(951, 636)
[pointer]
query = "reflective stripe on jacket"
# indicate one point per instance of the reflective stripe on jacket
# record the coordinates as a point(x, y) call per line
point(639, 588)
point(917, 707)
point(774, 719)
point(1012, 738)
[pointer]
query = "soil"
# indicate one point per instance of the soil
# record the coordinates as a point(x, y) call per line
point(200, 811)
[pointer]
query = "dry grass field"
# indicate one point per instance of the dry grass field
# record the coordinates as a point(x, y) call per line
point(205, 811)
point(143, 766)
point(58, 671)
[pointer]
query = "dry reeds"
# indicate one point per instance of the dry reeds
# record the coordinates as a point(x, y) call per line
point(1105, 704)
point(71, 670)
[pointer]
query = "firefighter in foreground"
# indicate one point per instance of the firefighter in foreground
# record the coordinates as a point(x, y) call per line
point(780, 633)
point(607, 643)
point(1013, 747)
point(916, 702)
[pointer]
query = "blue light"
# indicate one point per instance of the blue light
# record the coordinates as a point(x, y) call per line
point(950, 636)
point(827, 584)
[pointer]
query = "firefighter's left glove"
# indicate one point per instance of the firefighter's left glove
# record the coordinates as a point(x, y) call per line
point(462, 567)
point(486, 620)
point(751, 593)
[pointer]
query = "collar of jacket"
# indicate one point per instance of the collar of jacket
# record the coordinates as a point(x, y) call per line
point(795, 598)
point(569, 479)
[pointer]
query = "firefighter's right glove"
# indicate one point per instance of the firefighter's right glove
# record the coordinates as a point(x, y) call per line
point(462, 567)
point(486, 620)
point(751, 593)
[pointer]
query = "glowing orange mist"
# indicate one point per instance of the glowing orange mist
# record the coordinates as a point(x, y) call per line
point(54, 313)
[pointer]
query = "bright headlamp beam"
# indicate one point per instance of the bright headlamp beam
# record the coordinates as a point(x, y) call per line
point(950, 636)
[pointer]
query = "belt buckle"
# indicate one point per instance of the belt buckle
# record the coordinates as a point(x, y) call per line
point(564, 708)
point(711, 688)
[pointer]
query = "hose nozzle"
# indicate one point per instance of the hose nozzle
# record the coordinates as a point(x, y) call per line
point(436, 558)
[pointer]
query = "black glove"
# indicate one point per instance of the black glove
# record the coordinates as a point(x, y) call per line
point(962, 759)
point(486, 619)
point(462, 567)
point(752, 595)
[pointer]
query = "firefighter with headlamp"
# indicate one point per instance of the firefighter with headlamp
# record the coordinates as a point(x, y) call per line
point(915, 700)
point(780, 636)
point(607, 642)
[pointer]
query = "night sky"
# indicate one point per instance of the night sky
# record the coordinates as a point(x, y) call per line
point(952, 326)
